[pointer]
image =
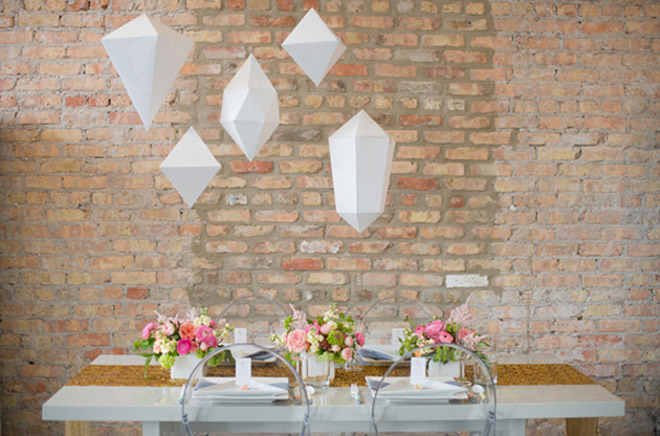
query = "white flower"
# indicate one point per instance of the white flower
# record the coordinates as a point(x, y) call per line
point(202, 320)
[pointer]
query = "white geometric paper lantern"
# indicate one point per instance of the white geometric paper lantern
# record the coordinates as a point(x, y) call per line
point(250, 108)
point(148, 56)
point(313, 46)
point(190, 166)
point(361, 158)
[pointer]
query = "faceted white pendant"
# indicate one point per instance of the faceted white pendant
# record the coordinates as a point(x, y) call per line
point(361, 156)
point(148, 56)
point(190, 167)
point(313, 46)
point(250, 108)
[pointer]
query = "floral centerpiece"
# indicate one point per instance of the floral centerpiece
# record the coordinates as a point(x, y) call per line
point(454, 330)
point(171, 337)
point(330, 337)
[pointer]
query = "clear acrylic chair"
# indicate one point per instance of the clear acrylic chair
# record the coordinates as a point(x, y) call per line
point(461, 404)
point(378, 334)
point(199, 414)
point(272, 314)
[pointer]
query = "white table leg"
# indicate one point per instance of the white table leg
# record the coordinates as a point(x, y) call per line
point(511, 427)
point(151, 429)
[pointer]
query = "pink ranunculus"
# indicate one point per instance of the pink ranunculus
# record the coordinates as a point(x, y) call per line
point(444, 338)
point(434, 328)
point(347, 353)
point(212, 324)
point(146, 331)
point(296, 341)
point(360, 339)
point(348, 341)
point(419, 331)
point(204, 333)
point(187, 331)
point(203, 346)
point(183, 347)
point(325, 329)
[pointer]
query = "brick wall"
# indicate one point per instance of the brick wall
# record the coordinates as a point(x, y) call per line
point(526, 175)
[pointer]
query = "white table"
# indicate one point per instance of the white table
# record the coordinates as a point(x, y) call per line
point(158, 409)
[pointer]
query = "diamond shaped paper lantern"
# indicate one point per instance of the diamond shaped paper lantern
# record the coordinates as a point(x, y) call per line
point(313, 46)
point(250, 108)
point(190, 166)
point(361, 157)
point(147, 55)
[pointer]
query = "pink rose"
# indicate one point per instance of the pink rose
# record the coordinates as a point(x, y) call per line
point(167, 328)
point(296, 341)
point(205, 335)
point(419, 331)
point(434, 328)
point(335, 348)
point(444, 338)
point(203, 346)
point(347, 353)
point(325, 329)
point(193, 346)
point(360, 339)
point(348, 341)
point(187, 331)
point(183, 347)
point(146, 331)
point(157, 349)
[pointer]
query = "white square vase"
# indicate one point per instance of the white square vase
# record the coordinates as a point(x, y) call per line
point(184, 365)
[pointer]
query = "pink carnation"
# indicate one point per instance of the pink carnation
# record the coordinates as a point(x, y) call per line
point(183, 347)
point(360, 339)
point(167, 328)
point(146, 331)
point(347, 353)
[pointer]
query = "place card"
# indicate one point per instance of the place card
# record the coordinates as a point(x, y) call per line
point(243, 371)
point(396, 335)
point(417, 370)
point(240, 336)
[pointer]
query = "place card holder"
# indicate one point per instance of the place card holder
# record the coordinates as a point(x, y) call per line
point(240, 335)
point(417, 370)
point(397, 334)
point(243, 371)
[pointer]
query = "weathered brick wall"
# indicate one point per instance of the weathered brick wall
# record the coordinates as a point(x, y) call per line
point(527, 159)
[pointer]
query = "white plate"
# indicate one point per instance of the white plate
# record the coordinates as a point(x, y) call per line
point(399, 389)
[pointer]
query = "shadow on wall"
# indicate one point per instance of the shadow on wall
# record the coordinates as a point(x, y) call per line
point(423, 71)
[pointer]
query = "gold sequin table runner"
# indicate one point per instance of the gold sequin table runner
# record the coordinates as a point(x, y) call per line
point(132, 375)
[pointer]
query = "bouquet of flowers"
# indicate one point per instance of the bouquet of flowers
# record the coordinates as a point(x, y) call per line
point(453, 331)
point(171, 337)
point(330, 336)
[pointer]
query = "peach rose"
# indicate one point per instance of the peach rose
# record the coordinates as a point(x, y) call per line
point(296, 341)
point(187, 331)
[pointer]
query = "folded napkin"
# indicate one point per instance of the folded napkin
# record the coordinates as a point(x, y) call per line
point(213, 387)
point(373, 354)
point(401, 386)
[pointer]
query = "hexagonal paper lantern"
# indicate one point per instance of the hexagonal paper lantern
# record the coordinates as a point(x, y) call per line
point(361, 157)
point(190, 166)
point(313, 46)
point(148, 56)
point(250, 108)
